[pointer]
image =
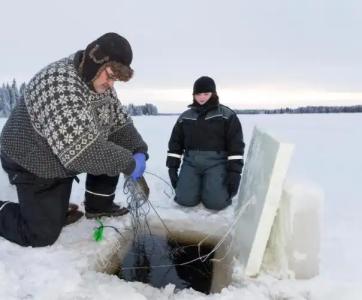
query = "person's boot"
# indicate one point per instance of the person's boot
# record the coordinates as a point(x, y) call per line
point(114, 211)
point(73, 214)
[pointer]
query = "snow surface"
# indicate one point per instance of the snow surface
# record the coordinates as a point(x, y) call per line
point(327, 155)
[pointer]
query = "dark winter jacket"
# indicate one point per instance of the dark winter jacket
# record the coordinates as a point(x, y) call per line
point(210, 127)
point(62, 128)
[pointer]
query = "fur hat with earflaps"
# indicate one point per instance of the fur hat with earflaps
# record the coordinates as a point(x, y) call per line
point(111, 50)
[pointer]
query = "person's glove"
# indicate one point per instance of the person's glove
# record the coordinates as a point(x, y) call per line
point(172, 173)
point(232, 182)
point(140, 159)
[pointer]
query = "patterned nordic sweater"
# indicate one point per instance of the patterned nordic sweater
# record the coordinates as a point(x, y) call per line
point(62, 128)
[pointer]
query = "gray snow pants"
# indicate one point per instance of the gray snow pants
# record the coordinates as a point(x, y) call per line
point(202, 179)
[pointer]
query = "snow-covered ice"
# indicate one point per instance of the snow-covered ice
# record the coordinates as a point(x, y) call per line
point(327, 155)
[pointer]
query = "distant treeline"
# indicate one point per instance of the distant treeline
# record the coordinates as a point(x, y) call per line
point(10, 95)
point(139, 110)
point(303, 110)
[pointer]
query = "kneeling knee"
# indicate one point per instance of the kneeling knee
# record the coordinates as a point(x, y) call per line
point(44, 238)
point(216, 205)
point(186, 202)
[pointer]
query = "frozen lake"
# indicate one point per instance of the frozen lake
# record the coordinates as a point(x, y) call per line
point(327, 155)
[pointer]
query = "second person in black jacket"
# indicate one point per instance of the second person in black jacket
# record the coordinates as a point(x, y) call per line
point(208, 139)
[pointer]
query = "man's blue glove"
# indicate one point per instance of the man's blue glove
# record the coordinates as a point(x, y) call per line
point(140, 159)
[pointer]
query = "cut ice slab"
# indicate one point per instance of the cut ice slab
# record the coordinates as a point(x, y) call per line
point(260, 193)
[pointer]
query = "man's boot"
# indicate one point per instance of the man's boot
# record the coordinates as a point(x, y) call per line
point(99, 196)
point(73, 214)
point(113, 211)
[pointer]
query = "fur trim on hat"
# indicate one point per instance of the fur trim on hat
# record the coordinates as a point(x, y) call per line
point(110, 49)
point(121, 72)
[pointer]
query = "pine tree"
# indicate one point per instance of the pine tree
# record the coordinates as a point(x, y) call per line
point(9, 97)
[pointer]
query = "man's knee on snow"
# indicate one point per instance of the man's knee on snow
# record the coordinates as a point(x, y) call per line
point(44, 236)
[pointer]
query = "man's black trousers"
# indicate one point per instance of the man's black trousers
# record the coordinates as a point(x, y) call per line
point(39, 216)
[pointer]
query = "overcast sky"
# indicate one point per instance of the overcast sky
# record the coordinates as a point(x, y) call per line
point(261, 53)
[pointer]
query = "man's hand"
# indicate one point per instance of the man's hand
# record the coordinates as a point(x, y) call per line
point(140, 159)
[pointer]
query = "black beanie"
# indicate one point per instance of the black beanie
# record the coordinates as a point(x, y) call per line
point(107, 49)
point(204, 85)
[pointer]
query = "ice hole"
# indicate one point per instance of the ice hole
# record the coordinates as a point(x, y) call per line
point(182, 258)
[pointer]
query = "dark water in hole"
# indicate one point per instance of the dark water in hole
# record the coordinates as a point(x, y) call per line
point(150, 251)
